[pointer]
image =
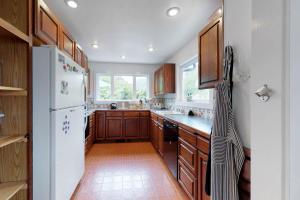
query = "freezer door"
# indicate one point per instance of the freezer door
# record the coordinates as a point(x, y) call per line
point(67, 82)
point(67, 152)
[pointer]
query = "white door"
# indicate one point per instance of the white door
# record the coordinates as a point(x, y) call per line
point(67, 82)
point(67, 151)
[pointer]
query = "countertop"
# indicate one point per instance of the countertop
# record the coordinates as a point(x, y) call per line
point(194, 122)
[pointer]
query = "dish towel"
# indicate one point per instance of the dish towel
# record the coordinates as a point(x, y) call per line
point(227, 155)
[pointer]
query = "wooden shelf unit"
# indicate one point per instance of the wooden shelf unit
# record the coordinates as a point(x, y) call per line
point(7, 140)
point(15, 100)
point(8, 30)
point(8, 190)
point(12, 91)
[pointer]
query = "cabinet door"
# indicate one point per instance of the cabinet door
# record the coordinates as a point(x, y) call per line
point(100, 125)
point(154, 134)
point(202, 160)
point(144, 127)
point(155, 83)
point(78, 55)
point(131, 127)
point(67, 43)
point(46, 25)
point(92, 127)
point(187, 181)
point(161, 81)
point(211, 54)
point(169, 78)
point(114, 128)
point(161, 141)
point(84, 61)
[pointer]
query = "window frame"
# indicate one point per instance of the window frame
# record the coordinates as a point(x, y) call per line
point(112, 75)
point(197, 103)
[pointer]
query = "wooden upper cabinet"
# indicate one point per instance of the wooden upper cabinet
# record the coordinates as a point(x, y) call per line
point(164, 80)
point(46, 25)
point(84, 61)
point(78, 54)
point(67, 44)
point(211, 54)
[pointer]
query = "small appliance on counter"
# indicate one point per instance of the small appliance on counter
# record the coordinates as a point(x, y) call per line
point(113, 106)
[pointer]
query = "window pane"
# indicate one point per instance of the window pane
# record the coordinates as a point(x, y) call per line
point(141, 87)
point(190, 85)
point(123, 87)
point(104, 88)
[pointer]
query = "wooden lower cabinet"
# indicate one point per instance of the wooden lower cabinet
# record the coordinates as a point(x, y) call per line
point(100, 126)
point(188, 155)
point(187, 180)
point(144, 127)
point(114, 127)
point(154, 134)
point(92, 127)
point(131, 127)
point(160, 140)
point(202, 165)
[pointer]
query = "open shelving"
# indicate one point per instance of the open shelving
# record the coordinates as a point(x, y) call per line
point(15, 99)
point(8, 30)
point(8, 190)
point(7, 140)
point(12, 91)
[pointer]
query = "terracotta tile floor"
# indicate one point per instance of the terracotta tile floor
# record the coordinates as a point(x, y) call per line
point(126, 171)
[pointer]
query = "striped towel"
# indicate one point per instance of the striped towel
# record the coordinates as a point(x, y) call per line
point(227, 155)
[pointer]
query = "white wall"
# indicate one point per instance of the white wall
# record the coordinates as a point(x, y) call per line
point(294, 101)
point(268, 119)
point(187, 52)
point(237, 33)
point(255, 28)
point(123, 68)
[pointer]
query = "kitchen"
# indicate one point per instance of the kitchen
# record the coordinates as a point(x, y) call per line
point(117, 100)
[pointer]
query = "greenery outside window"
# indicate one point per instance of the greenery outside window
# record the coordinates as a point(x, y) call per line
point(121, 87)
point(190, 91)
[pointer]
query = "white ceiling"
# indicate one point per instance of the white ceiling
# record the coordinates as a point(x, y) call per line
point(128, 27)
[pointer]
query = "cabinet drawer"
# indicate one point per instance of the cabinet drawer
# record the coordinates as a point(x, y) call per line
point(187, 136)
point(144, 114)
point(203, 144)
point(113, 114)
point(187, 181)
point(188, 155)
point(131, 114)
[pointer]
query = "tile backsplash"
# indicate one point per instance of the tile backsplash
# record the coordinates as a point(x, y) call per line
point(171, 104)
point(158, 103)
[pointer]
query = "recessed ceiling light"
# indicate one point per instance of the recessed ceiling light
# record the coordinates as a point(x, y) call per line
point(123, 57)
point(95, 45)
point(72, 3)
point(172, 12)
point(151, 49)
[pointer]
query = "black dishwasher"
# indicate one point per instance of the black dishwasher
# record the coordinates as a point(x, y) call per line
point(171, 146)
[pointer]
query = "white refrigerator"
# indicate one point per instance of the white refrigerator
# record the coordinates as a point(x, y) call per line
point(58, 124)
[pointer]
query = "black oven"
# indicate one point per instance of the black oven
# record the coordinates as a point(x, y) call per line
point(171, 146)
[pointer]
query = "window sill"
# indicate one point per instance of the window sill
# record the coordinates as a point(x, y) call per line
point(195, 104)
point(116, 101)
